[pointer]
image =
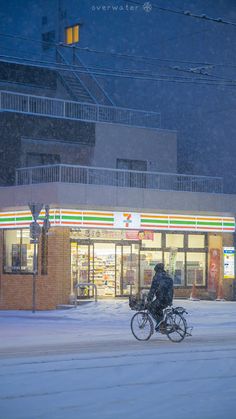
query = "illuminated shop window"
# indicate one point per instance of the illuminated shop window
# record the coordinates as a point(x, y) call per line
point(18, 251)
point(196, 241)
point(174, 240)
point(196, 268)
point(150, 239)
point(72, 34)
point(175, 265)
point(148, 260)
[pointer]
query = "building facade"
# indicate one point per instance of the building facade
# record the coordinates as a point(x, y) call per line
point(99, 236)
point(117, 203)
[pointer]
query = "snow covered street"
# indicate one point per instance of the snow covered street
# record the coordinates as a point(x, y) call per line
point(85, 363)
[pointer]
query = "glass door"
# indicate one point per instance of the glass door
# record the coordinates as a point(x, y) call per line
point(81, 262)
point(104, 269)
point(127, 269)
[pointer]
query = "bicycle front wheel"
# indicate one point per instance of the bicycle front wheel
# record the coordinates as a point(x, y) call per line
point(176, 327)
point(142, 326)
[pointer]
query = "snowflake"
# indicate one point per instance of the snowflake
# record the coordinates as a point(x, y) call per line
point(147, 7)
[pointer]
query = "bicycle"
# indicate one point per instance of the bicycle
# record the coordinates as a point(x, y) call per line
point(173, 324)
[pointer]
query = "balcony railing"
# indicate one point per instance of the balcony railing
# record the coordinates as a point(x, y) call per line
point(118, 178)
point(57, 108)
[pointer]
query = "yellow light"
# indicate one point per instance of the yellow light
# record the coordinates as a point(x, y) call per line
point(72, 34)
point(76, 33)
point(69, 36)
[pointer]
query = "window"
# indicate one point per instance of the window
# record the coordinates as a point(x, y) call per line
point(131, 164)
point(196, 268)
point(151, 239)
point(18, 252)
point(44, 20)
point(196, 241)
point(185, 258)
point(175, 264)
point(174, 240)
point(72, 34)
point(48, 39)
point(148, 259)
point(136, 179)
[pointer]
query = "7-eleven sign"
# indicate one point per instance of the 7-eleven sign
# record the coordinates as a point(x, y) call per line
point(127, 220)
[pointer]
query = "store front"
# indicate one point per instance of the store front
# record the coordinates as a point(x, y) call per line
point(120, 262)
point(106, 258)
point(115, 251)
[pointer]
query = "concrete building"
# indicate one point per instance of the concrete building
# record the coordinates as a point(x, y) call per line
point(115, 210)
point(117, 202)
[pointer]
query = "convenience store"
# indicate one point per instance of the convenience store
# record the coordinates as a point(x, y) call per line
point(117, 252)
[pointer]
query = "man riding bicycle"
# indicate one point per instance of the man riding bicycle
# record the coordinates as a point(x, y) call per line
point(162, 290)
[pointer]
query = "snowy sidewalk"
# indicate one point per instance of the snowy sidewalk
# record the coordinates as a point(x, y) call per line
point(106, 320)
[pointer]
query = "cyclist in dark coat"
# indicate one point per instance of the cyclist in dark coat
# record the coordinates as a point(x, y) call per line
point(162, 289)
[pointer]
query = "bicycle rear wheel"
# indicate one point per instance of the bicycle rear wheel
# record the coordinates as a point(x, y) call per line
point(142, 326)
point(176, 327)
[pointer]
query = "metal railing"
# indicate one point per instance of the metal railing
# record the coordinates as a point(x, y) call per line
point(118, 177)
point(64, 76)
point(92, 83)
point(44, 106)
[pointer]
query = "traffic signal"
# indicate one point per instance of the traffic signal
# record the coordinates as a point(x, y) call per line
point(35, 230)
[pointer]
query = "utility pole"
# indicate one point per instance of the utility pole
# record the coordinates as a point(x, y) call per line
point(35, 232)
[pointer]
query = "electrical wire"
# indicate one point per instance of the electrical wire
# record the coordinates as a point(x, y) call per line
point(187, 13)
point(166, 78)
point(133, 71)
point(117, 54)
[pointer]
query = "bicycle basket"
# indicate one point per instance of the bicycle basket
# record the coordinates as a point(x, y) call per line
point(137, 303)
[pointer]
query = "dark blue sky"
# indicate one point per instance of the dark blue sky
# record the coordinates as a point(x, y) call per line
point(203, 114)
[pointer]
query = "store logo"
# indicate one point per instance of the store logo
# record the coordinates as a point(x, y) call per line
point(127, 219)
point(147, 7)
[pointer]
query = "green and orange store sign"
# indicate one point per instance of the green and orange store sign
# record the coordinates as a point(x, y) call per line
point(121, 220)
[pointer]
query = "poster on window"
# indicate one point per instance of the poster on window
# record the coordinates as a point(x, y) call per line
point(147, 277)
point(214, 270)
point(229, 257)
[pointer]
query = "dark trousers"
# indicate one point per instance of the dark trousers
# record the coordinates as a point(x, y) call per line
point(156, 310)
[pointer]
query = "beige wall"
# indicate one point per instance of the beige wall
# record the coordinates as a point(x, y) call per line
point(66, 195)
point(157, 147)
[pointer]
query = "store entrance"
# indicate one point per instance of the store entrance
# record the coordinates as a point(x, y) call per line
point(113, 268)
point(127, 268)
point(81, 257)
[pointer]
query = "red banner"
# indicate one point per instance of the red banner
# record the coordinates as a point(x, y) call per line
point(214, 270)
point(139, 235)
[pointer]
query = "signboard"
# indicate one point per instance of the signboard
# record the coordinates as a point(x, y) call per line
point(35, 209)
point(119, 220)
point(139, 235)
point(214, 270)
point(229, 255)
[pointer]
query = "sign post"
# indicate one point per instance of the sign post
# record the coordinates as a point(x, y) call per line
point(229, 262)
point(35, 231)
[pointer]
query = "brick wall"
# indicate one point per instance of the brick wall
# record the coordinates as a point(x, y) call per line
point(51, 289)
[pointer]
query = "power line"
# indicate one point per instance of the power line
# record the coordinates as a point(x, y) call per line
point(117, 54)
point(175, 68)
point(157, 77)
point(187, 13)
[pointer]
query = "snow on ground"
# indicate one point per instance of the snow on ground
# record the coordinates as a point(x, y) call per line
point(84, 363)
